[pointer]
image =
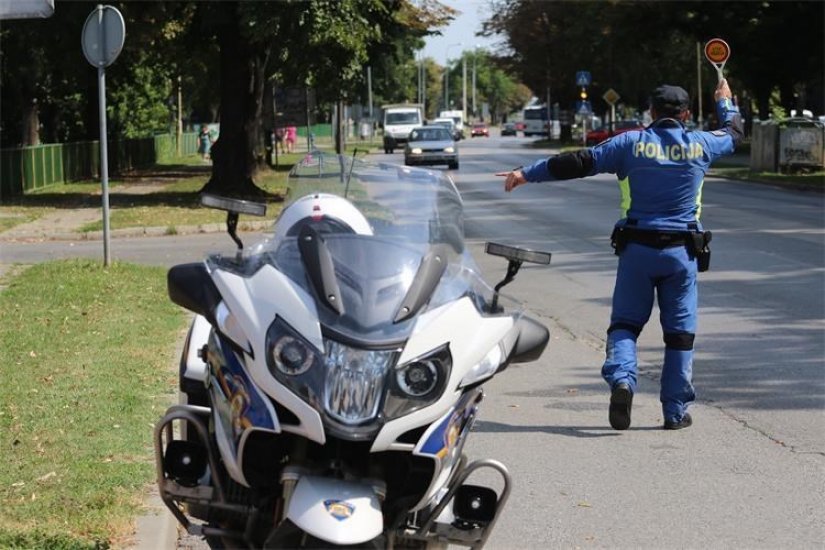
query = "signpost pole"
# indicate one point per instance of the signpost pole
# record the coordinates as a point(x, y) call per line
point(104, 164)
point(102, 40)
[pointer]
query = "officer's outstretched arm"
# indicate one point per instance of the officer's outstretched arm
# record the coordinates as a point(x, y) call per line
point(728, 113)
point(566, 166)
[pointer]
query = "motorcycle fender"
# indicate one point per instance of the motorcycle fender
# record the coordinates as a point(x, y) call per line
point(336, 511)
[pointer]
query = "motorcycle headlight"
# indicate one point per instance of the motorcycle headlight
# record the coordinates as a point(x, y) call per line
point(484, 368)
point(354, 382)
point(292, 360)
point(418, 383)
point(417, 379)
point(345, 385)
point(291, 355)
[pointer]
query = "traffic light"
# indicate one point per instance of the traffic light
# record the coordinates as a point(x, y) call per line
point(583, 93)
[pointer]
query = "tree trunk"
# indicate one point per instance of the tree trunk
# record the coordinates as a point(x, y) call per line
point(763, 103)
point(241, 86)
point(31, 123)
point(339, 127)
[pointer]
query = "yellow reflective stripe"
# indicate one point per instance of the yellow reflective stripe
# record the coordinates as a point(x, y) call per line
point(624, 188)
point(699, 200)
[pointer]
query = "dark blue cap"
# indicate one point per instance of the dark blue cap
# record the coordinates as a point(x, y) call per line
point(667, 99)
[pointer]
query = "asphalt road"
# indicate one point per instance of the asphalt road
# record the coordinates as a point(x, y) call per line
point(750, 473)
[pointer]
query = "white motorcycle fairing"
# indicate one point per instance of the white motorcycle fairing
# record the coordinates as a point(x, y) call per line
point(339, 512)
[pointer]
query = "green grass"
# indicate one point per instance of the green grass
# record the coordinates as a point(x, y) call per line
point(810, 181)
point(86, 360)
point(178, 204)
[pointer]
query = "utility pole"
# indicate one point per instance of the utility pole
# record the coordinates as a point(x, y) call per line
point(179, 129)
point(464, 87)
point(369, 97)
point(699, 80)
point(475, 59)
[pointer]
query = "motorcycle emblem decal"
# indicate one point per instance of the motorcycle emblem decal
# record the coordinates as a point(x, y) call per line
point(339, 509)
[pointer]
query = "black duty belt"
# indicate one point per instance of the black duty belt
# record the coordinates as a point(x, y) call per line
point(697, 242)
point(655, 239)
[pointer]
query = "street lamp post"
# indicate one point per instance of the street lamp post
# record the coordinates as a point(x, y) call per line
point(475, 56)
point(475, 59)
point(447, 77)
point(463, 87)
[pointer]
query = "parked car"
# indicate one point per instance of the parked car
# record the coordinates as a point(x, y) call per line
point(621, 126)
point(450, 125)
point(480, 129)
point(431, 145)
point(508, 129)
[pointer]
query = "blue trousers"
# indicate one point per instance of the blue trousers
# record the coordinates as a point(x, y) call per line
point(670, 275)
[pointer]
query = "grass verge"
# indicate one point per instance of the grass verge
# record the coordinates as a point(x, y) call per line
point(178, 204)
point(85, 355)
point(814, 181)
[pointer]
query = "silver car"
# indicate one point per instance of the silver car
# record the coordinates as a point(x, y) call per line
point(431, 145)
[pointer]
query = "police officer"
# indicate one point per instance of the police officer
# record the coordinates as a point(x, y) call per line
point(659, 240)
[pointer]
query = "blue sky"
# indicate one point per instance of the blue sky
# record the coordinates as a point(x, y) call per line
point(462, 29)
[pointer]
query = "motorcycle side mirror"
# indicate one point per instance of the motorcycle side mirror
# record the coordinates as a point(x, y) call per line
point(515, 256)
point(520, 254)
point(233, 207)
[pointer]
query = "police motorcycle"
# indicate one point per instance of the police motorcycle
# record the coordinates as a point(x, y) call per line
point(333, 372)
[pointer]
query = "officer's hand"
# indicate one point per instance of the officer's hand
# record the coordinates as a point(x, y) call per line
point(722, 90)
point(513, 179)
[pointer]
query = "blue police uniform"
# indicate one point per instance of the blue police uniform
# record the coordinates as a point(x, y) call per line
point(661, 171)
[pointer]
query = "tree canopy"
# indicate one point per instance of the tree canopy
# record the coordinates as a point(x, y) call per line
point(227, 55)
point(632, 46)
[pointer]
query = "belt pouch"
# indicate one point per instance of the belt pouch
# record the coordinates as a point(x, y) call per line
point(618, 240)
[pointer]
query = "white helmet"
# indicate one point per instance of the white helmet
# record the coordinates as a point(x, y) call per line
point(326, 212)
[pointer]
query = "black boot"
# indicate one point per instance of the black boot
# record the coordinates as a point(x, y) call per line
point(685, 422)
point(621, 401)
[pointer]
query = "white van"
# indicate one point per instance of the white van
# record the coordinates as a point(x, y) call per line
point(458, 119)
point(399, 121)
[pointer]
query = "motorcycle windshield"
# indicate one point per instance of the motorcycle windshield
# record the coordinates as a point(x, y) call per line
point(374, 244)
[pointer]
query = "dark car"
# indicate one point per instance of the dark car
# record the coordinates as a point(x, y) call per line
point(431, 145)
point(480, 129)
point(508, 129)
point(621, 126)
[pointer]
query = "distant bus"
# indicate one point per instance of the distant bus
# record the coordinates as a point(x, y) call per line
point(535, 120)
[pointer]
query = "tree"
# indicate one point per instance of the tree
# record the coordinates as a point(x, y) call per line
point(550, 41)
point(320, 43)
point(495, 86)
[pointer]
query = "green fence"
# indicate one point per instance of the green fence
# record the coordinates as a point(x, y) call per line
point(318, 130)
point(29, 168)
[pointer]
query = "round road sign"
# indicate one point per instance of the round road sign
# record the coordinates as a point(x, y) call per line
point(103, 35)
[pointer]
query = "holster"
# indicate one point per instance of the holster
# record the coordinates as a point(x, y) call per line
point(701, 248)
point(618, 240)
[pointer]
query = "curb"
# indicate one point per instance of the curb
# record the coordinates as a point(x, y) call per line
point(156, 529)
point(135, 232)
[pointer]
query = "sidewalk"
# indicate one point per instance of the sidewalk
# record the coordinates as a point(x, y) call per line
point(66, 224)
